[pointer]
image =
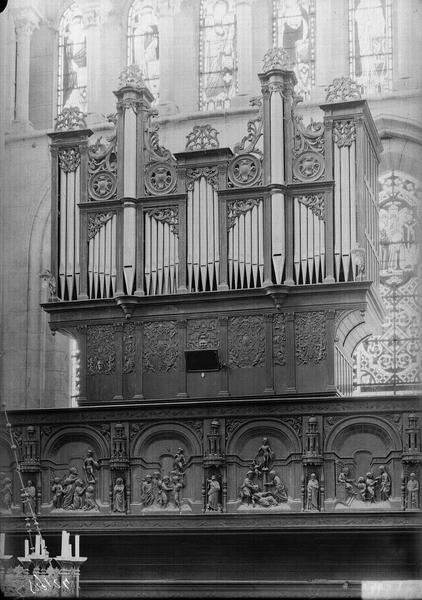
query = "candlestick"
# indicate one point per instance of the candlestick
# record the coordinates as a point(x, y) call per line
point(76, 546)
point(42, 546)
point(38, 545)
point(2, 539)
point(26, 548)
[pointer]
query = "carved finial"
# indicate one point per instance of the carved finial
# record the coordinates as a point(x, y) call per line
point(276, 58)
point(131, 76)
point(70, 118)
point(202, 137)
point(343, 88)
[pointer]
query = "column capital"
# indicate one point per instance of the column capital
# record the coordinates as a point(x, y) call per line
point(27, 20)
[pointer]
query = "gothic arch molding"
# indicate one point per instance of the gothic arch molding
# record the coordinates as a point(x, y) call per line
point(375, 425)
point(265, 428)
point(177, 431)
point(71, 434)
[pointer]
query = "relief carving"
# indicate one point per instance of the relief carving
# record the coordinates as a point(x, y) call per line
point(202, 137)
point(311, 337)
point(69, 160)
point(246, 341)
point(245, 170)
point(341, 89)
point(161, 346)
point(412, 492)
point(344, 133)
point(129, 348)
point(315, 203)
point(70, 118)
point(169, 215)
point(364, 490)
point(235, 208)
point(163, 491)
point(210, 174)
point(202, 334)
point(213, 495)
point(97, 221)
point(119, 496)
point(101, 351)
point(102, 168)
point(312, 496)
point(5, 493)
point(279, 339)
point(72, 493)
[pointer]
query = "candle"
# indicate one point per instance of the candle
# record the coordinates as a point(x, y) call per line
point(38, 545)
point(65, 540)
point(2, 537)
point(76, 546)
point(26, 548)
point(42, 546)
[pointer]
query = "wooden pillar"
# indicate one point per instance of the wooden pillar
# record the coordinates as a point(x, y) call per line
point(290, 352)
point(181, 327)
point(139, 374)
point(224, 372)
point(269, 364)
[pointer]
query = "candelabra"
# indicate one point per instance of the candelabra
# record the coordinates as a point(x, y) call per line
point(36, 575)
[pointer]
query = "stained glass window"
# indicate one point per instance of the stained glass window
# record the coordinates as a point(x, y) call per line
point(72, 71)
point(294, 30)
point(218, 70)
point(143, 43)
point(370, 37)
point(390, 361)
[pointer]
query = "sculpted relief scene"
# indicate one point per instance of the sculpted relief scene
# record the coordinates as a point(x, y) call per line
point(220, 465)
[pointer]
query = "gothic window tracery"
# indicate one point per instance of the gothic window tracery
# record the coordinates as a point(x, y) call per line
point(143, 46)
point(72, 66)
point(294, 31)
point(370, 38)
point(390, 361)
point(218, 61)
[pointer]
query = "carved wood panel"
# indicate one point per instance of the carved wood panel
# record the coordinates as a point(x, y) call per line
point(246, 341)
point(161, 346)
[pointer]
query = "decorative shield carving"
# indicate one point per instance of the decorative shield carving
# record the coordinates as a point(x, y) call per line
point(102, 185)
point(160, 178)
point(309, 166)
point(245, 170)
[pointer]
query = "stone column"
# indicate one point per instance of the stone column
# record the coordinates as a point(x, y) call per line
point(26, 21)
point(244, 52)
point(94, 12)
point(167, 10)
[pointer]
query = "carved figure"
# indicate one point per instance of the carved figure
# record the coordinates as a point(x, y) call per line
point(177, 488)
point(213, 494)
point(346, 491)
point(412, 492)
point(262, 498)
point(69, 487)
point(247, 488)
point(313, 490)
point(370, 487)
point(179, 461)
point(265, 455)
point(361, 485)
point(90, 503)
point(384, 481)
point(280, 490)
point(57, 491)
point(166, 491)
point(89, 465)
point(5, 492)
point(78, 494)
point(29, 498)
point(156, 487)
point(147, 497)
point(119, 502)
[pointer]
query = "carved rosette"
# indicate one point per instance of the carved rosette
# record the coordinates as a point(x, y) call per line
point(161, 346)
point(160, 178)
point(344, 133)
point(343, 89)
point(210, 174)
point(96, 222)
point(69, 160)
point(129, 348)
point(309, 166)
point(246, 341)
point(202, 334)
point(70, 118)
point(202, 137)
point(279, 339)
point(101, 351)
point(311, 337)
point(315, 203)
point(235, 208)
point(245, 170)
point(169, 215)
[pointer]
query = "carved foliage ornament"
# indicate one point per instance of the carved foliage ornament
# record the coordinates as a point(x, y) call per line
point(169, 215)
point(254, 129)
point(161, 346)
point(96, 222)
point(202, 137)
point(69, 159)
point(343, 88)
point(276, 58)
point(235, 208)
point(70, 118)
point(344, 133)
point(309, 166)
point(210, 174)
point(157, 152)
point(202, 334)
point(311, 337)
point(315, 203)
point(279, 339)
point(102, 169)
point(245, 170)
point(101, 351)
point(129, 348)
point(131, 76)
point(160, 178)
point(246, 341)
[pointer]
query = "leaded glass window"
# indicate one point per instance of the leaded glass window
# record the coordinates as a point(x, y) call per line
point(370, 35)
point(218, 69)
point(143, 43)
point(72, 69)
point(390, 361)
point(294, 30)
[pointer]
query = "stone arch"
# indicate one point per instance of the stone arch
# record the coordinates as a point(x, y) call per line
point(178, 432)
point(271, 428)
point(377, 427)
point(72, 434)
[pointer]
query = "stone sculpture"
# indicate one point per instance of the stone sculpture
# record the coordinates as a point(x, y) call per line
point(89, 465)
point(29, 497)
point(5, 492)
point(57, 491)
point(312, 493)
point(412, 492)
point(384, 481)
point(213, 494)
